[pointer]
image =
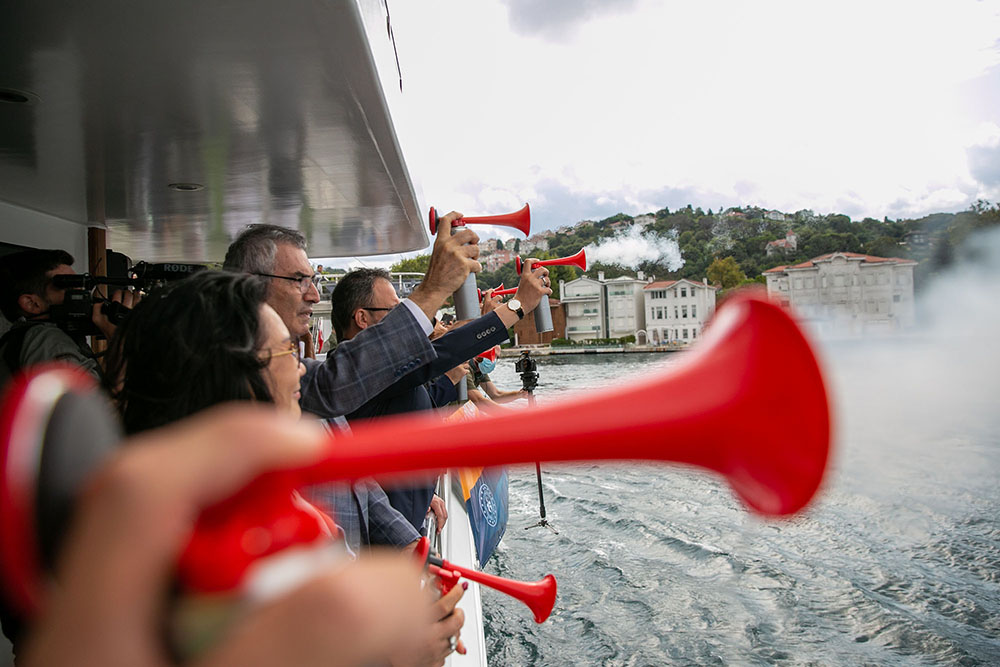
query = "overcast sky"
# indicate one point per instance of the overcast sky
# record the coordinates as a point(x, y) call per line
point(585, 108)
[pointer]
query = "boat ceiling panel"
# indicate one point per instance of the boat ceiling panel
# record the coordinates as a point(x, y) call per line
point(276, 108)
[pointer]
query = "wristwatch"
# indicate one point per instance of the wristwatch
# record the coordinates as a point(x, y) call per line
point(515, 305)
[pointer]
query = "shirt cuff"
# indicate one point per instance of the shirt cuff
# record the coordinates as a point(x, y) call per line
point(419, 316)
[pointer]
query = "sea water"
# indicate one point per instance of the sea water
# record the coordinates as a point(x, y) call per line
point(897, 561)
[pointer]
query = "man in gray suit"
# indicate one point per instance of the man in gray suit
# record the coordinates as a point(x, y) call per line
point(355, 372)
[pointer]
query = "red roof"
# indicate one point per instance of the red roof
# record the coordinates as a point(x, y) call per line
point(661, 284)
point(870, 259)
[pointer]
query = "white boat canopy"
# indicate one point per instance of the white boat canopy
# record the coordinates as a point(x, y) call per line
point(174, 124)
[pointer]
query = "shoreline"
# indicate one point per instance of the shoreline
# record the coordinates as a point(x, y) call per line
point(548, 350)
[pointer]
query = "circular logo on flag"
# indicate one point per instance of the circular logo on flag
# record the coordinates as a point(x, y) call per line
point(488, 505)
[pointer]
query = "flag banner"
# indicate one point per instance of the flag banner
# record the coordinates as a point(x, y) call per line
point(485, 493)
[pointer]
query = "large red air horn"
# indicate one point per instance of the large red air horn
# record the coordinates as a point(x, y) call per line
point(578, 260)
point(520, 220)
point(539, 596)
point(725, 406)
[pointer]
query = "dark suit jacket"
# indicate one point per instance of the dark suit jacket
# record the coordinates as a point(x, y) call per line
point(359, 369)
point(412, 393)
point(450, 350)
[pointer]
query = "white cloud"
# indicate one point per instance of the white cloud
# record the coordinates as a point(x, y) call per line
point(794, 105)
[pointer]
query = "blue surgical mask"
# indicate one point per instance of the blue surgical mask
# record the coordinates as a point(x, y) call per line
point(486, 366)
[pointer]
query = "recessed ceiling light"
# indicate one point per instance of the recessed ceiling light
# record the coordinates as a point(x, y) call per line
point(186, 187)
point(14, 96)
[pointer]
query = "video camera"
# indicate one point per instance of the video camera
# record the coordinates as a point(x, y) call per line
point(528, 370)
point(75, 313)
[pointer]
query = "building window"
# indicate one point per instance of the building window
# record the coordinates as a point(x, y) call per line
point(684, 312)
point(694, 311)
point(694, 333)
point(659, 313)
point(676, 316)
point(685, 334)
point(896, 298)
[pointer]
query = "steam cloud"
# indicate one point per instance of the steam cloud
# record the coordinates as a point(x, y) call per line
point(631, 247)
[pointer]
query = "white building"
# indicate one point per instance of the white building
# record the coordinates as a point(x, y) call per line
point(487, 247)
point(536, 243)
point(846, 293)
point(624, 307)
point(603, 308)
point(677, 310)
point(583, 300)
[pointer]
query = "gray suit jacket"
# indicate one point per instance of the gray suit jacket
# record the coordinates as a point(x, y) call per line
point(363, 512)
point(359, 369)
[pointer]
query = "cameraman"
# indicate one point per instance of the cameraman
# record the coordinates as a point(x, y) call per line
point(27, 295)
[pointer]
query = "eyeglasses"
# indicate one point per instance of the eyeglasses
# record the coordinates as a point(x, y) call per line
point(305, 282)
point(292, 348)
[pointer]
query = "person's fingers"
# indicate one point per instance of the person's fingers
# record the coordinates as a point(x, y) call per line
point(136, 515)
point(360, 614)
point(446, 604)
point(445, 222)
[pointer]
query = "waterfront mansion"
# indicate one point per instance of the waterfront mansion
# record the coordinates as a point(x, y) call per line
point(677, 310)
point(846, 293)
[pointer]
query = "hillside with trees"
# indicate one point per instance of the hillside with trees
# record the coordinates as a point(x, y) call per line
point(729, 247)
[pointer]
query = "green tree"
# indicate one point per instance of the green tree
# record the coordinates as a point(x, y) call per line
point(416, 264)
point(725, 272)
point(499, 244)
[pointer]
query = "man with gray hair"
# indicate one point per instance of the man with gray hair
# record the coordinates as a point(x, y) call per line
point(356, 372)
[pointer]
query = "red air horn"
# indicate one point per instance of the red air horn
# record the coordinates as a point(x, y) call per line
point(578, 260)
point(496, 290)
point(724, 406)
point(539, 596)
point(714, 408)
point(520, 220)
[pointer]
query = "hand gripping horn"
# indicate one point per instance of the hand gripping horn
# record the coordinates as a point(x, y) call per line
point(539, 596)
point(519, 220)
point(467, 297)
point(724, 406)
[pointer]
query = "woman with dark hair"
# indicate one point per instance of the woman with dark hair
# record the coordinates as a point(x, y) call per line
point(208, 339)
point(211, 339)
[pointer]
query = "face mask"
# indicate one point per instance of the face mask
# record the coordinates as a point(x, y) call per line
point(486, 366)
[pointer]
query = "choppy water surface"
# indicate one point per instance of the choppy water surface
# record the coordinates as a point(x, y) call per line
point(897, 562)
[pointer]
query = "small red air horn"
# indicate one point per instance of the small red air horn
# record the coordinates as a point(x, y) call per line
point(578, 260)
point(520, 220)
point(539, 596)
point(505, 292)
point(496, 290)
